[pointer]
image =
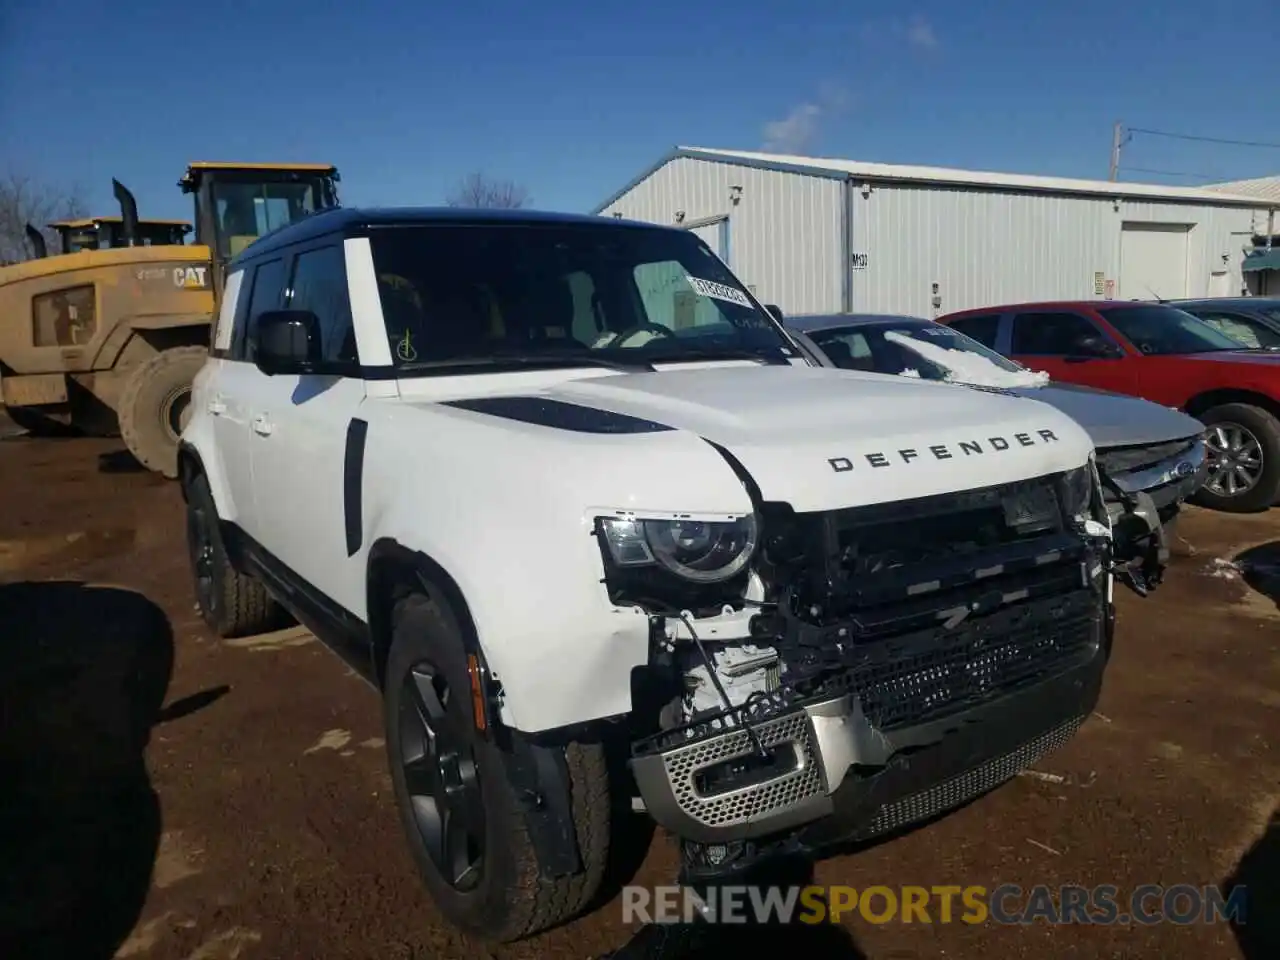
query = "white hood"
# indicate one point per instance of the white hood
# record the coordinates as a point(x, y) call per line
point(820, 438)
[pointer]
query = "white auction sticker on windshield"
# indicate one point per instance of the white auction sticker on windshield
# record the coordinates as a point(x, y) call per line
point(719, 291)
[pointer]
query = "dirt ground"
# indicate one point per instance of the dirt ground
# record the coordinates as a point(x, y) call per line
point(166, 796)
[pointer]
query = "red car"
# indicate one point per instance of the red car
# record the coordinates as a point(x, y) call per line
point(1157, 352)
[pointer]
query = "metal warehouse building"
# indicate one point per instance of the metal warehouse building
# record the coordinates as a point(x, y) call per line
point(822, 235)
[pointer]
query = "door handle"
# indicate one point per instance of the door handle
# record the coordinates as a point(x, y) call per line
point(262, 426)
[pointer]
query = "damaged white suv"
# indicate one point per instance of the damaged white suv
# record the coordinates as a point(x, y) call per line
point(560, 487)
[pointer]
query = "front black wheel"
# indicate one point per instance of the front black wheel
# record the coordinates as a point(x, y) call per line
point(459, 811)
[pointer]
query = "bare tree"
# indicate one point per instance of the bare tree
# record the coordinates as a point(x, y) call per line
point(25, 200)
point(477, 190)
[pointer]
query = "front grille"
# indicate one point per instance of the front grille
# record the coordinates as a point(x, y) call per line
point(964, 787)
point(1135, 458)
point(927, 675)
point(934, 606)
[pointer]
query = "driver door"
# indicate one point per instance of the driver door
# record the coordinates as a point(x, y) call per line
point(1071, 347)
point(300, 431)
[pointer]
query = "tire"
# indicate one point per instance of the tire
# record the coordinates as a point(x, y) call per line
point(35, 423)
point(150, 405)
point(1261, 432)
point(231, 603)
point(508, 899)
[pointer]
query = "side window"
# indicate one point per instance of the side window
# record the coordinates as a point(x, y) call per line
point(266, 294)
point(225, 320)
point(320, 285)
point(1050, 334)
point(1250, 332)
point(981, 327)
point(668, 299)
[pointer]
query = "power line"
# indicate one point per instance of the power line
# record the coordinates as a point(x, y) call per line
point(1188, 136)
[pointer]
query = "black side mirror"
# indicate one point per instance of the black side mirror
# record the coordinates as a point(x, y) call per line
point(286, 341)
point(775, 311)
point(1093, 348)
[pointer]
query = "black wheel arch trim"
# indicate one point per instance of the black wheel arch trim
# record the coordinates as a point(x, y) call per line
point(535, 764)
point(188, 455)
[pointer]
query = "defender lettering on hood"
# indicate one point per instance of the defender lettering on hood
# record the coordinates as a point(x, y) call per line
point(945, 451)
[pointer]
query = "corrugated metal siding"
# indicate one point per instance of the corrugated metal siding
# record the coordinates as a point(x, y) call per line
point(785, 228)
point(980, 246)
point(983, 248)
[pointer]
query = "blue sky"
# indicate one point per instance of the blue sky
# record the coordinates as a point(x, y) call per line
point(574, 98)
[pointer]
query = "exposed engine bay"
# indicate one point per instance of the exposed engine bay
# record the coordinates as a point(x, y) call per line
point(856, 638)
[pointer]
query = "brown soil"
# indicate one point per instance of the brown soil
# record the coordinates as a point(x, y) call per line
point(167, 796)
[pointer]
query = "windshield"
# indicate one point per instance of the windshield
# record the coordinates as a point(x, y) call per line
point(246, 210)
point(581, 293)
point(929, 351)
point(1158, 330)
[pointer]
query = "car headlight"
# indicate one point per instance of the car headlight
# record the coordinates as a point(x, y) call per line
point(703, 551)
point(1078, 488)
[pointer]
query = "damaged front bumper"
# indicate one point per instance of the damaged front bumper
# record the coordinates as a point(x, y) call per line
point(861, 758)
point(1140, 503)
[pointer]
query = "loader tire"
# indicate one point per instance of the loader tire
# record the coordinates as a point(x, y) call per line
point(153, 407)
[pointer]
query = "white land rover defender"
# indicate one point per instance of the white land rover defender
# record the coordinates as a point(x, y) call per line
point(559, 485)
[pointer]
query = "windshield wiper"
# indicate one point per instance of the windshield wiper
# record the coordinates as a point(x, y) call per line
point(520, 361)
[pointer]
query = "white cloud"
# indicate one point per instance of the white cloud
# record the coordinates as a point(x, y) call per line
point(799, 129)
point(795, 132)
point(920, 33)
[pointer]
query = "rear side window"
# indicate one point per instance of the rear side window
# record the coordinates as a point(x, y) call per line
point(266, 294)
point(1050, 334)
point(1250, 332)
point(981, 327)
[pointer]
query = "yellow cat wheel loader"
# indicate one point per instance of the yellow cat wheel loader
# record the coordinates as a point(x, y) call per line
point(106, 339)
point(105, 233)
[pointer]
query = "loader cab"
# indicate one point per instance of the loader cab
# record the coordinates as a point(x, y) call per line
point(106, 233)
point(236, 203)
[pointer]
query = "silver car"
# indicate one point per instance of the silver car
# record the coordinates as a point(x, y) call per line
point(1151, 458)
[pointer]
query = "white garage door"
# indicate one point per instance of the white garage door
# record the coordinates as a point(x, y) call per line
point(1153, 261)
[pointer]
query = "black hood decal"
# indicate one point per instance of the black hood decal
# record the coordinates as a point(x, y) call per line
point(545, 412)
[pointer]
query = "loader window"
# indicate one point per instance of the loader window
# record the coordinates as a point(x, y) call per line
point(246, 211)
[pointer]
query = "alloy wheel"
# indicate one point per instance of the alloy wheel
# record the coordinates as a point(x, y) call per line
point(1235, 460)
point(440, 776)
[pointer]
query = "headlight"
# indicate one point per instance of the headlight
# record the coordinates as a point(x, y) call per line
point(703, 551)
point(1077, 492)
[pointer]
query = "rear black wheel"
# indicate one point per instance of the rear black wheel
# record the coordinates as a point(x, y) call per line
point(459, 811)
point(233, 604)
point(1242, 445)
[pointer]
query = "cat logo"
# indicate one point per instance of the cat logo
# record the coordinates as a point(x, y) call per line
point(190, 278)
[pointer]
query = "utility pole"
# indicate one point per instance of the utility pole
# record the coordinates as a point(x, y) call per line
point(1115, 150)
